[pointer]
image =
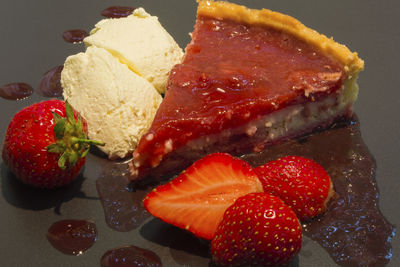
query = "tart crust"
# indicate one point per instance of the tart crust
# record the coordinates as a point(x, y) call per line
point(225, 10)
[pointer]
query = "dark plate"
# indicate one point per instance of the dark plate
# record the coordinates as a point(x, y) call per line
point(31, 44)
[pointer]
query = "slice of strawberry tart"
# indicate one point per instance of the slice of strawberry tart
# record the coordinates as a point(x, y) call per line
point(249, 78)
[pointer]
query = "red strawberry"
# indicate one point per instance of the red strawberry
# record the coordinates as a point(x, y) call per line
point(301, 183)
point(257, 230)
point(45, 144)
point(197, 199)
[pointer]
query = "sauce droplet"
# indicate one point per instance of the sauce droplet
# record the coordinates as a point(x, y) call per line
point(74, 36)
point(72, 237)
point(117, 11)
point(16, 91)
point(130, 256)
point(50, 84)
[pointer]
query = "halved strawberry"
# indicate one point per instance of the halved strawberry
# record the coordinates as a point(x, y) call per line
point(257, 230)
point(301, 183)
point(197, 199)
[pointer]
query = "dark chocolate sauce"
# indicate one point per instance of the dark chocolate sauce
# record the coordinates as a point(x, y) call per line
point(123, 210)
point(117, 11)
point(130, 256)
point(50, 84)
point(72, 236)
point(74, 36)
point(16, 91)
point(353, 231)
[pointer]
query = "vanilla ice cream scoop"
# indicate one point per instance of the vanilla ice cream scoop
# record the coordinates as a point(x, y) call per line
point(116, 83)
point(118, 105)
point(140, 42)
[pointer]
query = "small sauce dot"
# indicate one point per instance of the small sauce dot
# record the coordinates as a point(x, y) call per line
point(117, 11)
point(130, 256)
point(50, 84)
point(74, 36)
point(72, 237)
point(16, 91)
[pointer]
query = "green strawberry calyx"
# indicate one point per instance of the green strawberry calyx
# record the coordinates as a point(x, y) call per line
point(71, 141)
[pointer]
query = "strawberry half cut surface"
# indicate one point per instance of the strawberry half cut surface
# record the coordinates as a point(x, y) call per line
point(301, 183)
point(197, 199)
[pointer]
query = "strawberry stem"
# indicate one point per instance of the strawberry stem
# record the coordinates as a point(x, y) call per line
point(75, 140)
point(71, 141)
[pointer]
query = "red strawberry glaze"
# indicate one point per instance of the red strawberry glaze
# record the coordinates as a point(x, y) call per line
point(232, 74)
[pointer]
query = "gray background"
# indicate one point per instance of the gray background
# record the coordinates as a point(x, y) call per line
point(31, 44)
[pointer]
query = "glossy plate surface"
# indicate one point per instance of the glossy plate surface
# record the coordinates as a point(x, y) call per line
point(32, 44)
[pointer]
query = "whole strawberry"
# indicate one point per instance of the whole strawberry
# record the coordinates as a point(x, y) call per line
point(45, 144)
point(301, 183)
point(257, 230)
